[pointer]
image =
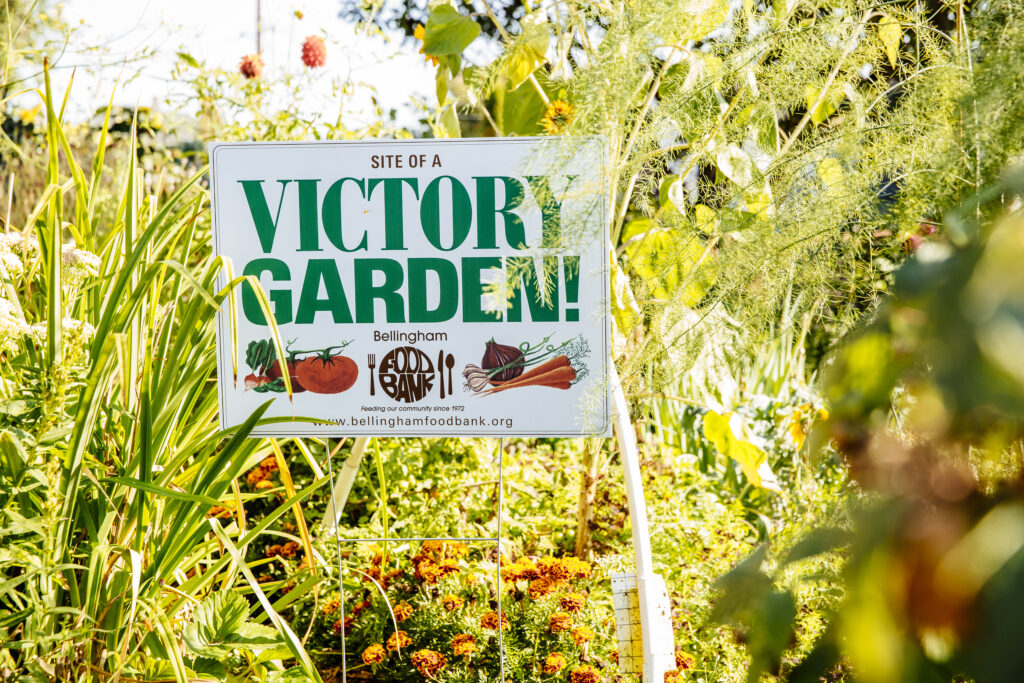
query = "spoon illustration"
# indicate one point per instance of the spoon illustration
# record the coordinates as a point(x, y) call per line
point(449, 362)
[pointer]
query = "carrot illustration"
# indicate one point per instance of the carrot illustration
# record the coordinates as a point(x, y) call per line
point(560, 377)
point(543, 368)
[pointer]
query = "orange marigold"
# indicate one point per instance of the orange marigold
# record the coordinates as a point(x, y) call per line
point(331, 606)
point(512, 572)
point(573, 603)
point(290, 549)
point(398, 640)
point(360, 607)
point(529, 569)
point(584, 674)
point(684, 660)
point(429, 662)
point(403, 611)
point(490, 621)
point(251, 66)
point(554, 663)
point(348, 625)
point(314, 52)
point(427, 571)
point(540, 588)
point(578, 569)
point(452, 602)
point(374, 654)
point(463, 644)
point(263, 485)
point(553, 569)
point(269, 464)
point(560, 621)
point(448, 567)
point(582, 635)
point(674, 676)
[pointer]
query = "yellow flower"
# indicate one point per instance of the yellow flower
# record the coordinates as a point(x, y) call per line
point(578, 569)
point(674, 676)
point(490, 621)
point(540, 588)
point(558, 116)
point(554, 663)
point(560, 622)
point(398, 640)
point(418, 33)
point(452, 602)
point(331, 606)
point(554, 569)
point(584, 674)
point(573, 603)
point(684, 660)
point(463, 644)
point(429, 662)
point(374, 654)
point(582, 635)
point(403, 611)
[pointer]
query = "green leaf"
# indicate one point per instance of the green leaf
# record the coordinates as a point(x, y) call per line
point(188, 59)
point(529, 51)
point(736, 165)
point(824, 109)
point(891, 34)
point(819, 541)
point(448, 32)
point(217, 620)
point(450, 123)
point(728, 434)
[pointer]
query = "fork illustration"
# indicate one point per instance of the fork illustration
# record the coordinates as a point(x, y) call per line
point(371, 360)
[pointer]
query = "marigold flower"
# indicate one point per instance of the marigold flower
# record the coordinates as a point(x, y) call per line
point(403, 611)
point(428, 572)
point(398, 640)
point(448, 567)
point(290, 549)
point(540, 588)
point(554, 663)
point(272, 550)
point(463, 644)
point(578, 569)
point(360, 607)
point(331, 606)
point(374, 654)
point(684, 661)
point(512, 572)
point(573, 603)
point(348, 625)
point(251, 66)
point(584, 674)
point(429, 662)
point(255, 476)
point(452, 602)
point(582, 635)
point(553, 569)
point(314, 52)
point(418, 33)
point(673, 676)
point(269, 464)
point(528, 569)
point(263, 485)
point(558, 116)
point(560, 621)
point(490, 621)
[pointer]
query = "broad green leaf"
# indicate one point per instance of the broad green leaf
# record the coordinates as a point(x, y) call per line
point(831, 173)
point(450, 123)
point(736, 165)
point(188, 59)
point(728, 434)
point(891, 34)
point(448, 32)
point(824, 109)
point(706, 219)
point(217, 620)
point(518, 110)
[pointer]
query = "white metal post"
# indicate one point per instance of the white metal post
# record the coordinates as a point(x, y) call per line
point(650, 587)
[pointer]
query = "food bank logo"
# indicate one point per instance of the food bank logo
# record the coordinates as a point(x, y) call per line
point(407, 374)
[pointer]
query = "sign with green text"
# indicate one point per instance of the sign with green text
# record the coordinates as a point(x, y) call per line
point(421, 288)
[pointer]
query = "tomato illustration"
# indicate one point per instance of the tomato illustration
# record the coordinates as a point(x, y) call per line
point(327, 374)
point(274, 372)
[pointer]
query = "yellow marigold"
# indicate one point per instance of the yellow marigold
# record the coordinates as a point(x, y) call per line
point(429, 662)
point(553, 569)
point(419, 32)
point(584, 674)
point(490, 621)
point(360, 607)
point(452, 602)
point(374, 654)
point(573, 603)
point(272, 550)
point(427, 571)
point(684, 660)
point(463, 644)
point(558, 116)
point(403, 611)
point(338, 626)
point(674, 676)
point(512, 572)
point(554, 663)
point(582, 635)
point(528, 569)
point(263, 485)
point(578, 569)
point(560, 621)
point(331, 606)
point(255, 476)
point(290, 549)
point(269, 464)
point(398, 640)
point(540, 588)
point(448, 567)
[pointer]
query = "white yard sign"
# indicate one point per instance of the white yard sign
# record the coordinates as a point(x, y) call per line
point(455, 288)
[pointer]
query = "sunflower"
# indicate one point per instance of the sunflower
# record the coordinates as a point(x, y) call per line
point(558, 116)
